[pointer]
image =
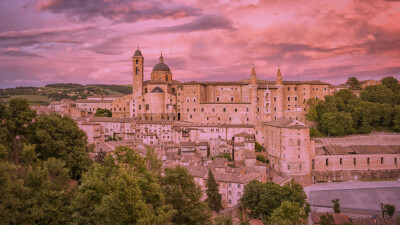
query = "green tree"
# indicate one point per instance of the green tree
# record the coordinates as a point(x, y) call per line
point(326, 219)
point(60, 137)
point(153, 162)
point(389, 209)
point(28, 155)
point(214, 198)
point(99, 156)
point(336, 205)
point(391, 83)
point(311, 112)
point(258, 147)
point(221, 220)
point(288, 213)
point(263, 198)
point(184, 195)
point(121, 191)
point(103, 113)
point(15, 199)
point(337, 124)
point(18, 116)
point(378, 94)
point(353, 83)
point(396, 118)
point(261, 158)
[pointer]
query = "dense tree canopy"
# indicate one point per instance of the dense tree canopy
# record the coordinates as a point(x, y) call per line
point(353, 83)
point(48, 177)
point(121, 190)
point(60, 137)
point(344, 113)
point(184, 195)
point(103, 113)
point(262, 199)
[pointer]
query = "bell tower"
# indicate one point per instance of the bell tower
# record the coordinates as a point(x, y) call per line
point(137, 62)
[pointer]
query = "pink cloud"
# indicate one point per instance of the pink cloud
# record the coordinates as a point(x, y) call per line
point(208, 40)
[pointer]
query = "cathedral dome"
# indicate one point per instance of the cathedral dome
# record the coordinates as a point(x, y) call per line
point(138, 53)
point(161, 66)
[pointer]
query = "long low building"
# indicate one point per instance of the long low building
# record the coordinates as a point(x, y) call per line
point(355, 162)
point(292, 153)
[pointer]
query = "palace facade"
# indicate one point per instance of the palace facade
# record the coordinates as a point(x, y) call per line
point(247, 101)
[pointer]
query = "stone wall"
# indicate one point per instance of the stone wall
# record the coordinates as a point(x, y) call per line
point(347, 175)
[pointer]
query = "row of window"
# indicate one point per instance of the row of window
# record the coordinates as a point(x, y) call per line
point(295, 88)
point(354, 161)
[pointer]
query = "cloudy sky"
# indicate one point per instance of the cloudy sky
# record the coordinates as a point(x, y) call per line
point(92, 41)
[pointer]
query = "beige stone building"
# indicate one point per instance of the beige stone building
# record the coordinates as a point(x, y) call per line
point(93, 105)
point(293, 154)
point(248, 101)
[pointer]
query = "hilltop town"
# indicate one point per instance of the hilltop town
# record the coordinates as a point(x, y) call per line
point(242, 130)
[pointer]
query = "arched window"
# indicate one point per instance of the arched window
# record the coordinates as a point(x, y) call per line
point(137, 61)
point(137, 70)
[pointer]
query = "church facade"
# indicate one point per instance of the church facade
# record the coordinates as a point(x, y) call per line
point(247, 101)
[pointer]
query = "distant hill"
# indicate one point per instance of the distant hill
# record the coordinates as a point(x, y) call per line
point(58, 91)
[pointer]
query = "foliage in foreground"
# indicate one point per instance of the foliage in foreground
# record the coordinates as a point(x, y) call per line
point(269, 201)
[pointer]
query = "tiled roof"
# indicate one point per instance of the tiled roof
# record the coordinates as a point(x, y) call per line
point(220, 162)
point(93, 101)
point(243, 134)
point(112, 119)
point(249, 154)
point(356, 149)
point(286, 123)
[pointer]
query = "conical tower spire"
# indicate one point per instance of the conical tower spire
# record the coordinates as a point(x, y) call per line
point(253, 76)
point(278, 76)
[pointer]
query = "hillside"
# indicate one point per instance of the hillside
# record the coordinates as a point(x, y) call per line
point(56, 92)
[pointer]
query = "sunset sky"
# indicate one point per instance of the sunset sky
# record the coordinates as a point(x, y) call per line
point(92, 41)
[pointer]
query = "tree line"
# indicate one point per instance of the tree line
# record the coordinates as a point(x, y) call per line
point(377, 108)
point(48, 177)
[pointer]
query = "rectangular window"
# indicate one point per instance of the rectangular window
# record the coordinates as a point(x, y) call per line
point(202, 109)
point(341, 161)
point(147, 106)
point(231, 99)
point(224, 109)
point(295, 88)
point(288, 88)
point(354, 161)
point(381, 160)
point(274, 98)
point(295, 98)
point(368, 161)
point(326, 162)
point(288, 98)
